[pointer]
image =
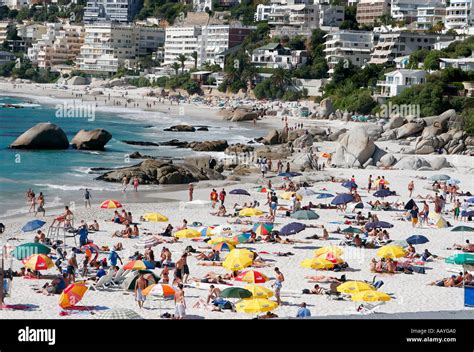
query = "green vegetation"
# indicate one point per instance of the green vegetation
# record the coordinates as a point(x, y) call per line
point(49, 13)
point(182, 81)
point(28, 71)
point(163, 9)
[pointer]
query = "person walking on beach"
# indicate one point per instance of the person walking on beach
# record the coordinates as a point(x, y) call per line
point(213, 197)
point(40, 208)
point(140, 285)
point(278, 284)
point(411, 187)
point(222, 196)
point(135, 184)
point(32, 202)
point(414, 216)
point(180, 303)
point(263, 169)
point(71, 266)
point(369, 185)
point(124, 183)
point(191, 190)
point(87, 198)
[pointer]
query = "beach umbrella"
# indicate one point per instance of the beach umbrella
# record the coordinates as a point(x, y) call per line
point(292, 228)
point(288, 195)
point(118, 313)
point(187, 233)
point(461, 259)
point(289, 174)
point(470, 200)
point(252, 276)
point(147, 242)
point(223, 230)
point(250, 212)
point(162, 290)
point(438, 220)
point(223, 247)
point(305, 215)
point(264, 190)
point(255, 305)
point(342, 199)
point(378, 225)
point(317, 263)
point(240, 192)
point(259, 291)
point(331, 257)
point(38, 262)
point(371, 296)
point(207, 231)
point(353, 287)
point(138, 265)
point(417, 239)
point(131, 279)
point(110, 204)
point(470, 213)
point(72, 294)
point(238, 259)
point(361, 205)
point(90, 248)
point(241, 238)
point(382, 193)
point(262, 229)
point(324, 195)
point(27, 249)
point(462, 228)
point(349, 184)
point(156, 217)
point(390, 251)
point(236, 292)
point(329, 249)
point(216, 240)
point(410, 204)
point(439, 177)
point(401, 243)
point(351, 229)
point(33, 225)
point(306, 192)
point(453, 181)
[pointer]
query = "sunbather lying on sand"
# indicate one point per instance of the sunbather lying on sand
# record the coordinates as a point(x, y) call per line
point(280, 240)
point(452, 281)
point(316, 290)
point(206, 306)
point(321, 278)
point(240, 222)
point(467, 247)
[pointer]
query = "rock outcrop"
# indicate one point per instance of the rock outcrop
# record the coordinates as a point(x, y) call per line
point(91, 140)
point(354, 149)
point(42, 136)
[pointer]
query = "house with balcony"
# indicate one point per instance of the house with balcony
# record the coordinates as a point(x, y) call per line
point(397, 81)
point(463, 63)
point(274, 55)
point(459, 14)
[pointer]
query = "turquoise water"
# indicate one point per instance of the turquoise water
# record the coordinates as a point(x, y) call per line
point(64, 173)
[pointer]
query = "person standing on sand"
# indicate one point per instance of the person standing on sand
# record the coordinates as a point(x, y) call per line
point(213, 198)
point(222, 196)
point(411, 187)
point(135, 184)
point(369, 185)
point(32, 202)
point(180, 304)
point(124, 183)
point(40, 208)
point(140, 285)
point(191, 190)
point(87, 198)
point(278, 284)
point(414, 216)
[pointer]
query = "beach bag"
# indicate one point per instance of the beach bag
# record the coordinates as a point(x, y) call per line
point(288, 213)
point(378, 284)
point(306, 291)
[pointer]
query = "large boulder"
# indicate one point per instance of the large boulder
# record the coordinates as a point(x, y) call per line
point(409, 129)
point(280, 152)
point(77, 81)
point(273, 137)
point(306, 140)
point(91, 140)
point(394, 122)
point(239, 149)
point(242, 114)
point(439, 163)
point(209, 146)
point(44, 135)
point(326, 108)
point(334, 136)
point(354, 149)
point(412, 163)
point(181, 128)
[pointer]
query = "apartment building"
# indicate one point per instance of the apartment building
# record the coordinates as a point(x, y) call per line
point(459, 14)
point(391, 45)
point(294, 20)
point(463, 63)
point(407, 10)
point(181, 40)
point(348, 46)
point(274, 55)
point(4, 27)
point(111, 10)
point(429, 15)
point(370, 11)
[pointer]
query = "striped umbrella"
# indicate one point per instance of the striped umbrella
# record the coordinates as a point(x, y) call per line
point(241, 238)
point(252, 276)
point(38, 262)
point(147, 242)
point(207, 231)
point(72, 294)
point(110, 204)
point(223, 247)
point(262, 229)
point(138, 265)
point(162, 290)
point(27, 249)
point(118, 313)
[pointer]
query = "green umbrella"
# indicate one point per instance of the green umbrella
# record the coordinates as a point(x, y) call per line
point(305, 215)
point(351, 229)
point(26, 249)
point(462, 228)
point(236, 292)
point(460, 258)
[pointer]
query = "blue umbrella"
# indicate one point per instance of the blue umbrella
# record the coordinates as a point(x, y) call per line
point(342, 199)
point(382, 193)
point(378, 224)
point(289, 174)
point(470, 213)
point(453, 181)
point(417, 239)
point(470, 200)
point(292, 228)
point(239, 192)
point(33, 225)
point(324, 195)
point(440, 177)
point(349, 184)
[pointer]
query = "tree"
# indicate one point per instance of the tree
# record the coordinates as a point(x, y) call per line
point(437, 28)
point(175, 66)
point(281, 77)
point(194, 55)
point(182, 59)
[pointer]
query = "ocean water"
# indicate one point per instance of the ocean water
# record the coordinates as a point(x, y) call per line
point(62, 174)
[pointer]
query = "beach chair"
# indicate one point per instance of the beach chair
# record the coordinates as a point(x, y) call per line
point(368, 308)
point(103, 281)
point(119, 277)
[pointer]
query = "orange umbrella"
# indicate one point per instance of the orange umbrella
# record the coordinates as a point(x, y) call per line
point(38, 262)
point(72, 294)
point(110, 204)
point(159, 290)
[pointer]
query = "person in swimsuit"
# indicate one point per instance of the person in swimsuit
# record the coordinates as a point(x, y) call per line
point(140, 285)
point(180, 303)
point(278, 284)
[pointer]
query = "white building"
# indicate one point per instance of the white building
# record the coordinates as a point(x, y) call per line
point(111, 10)
point(348, 46)
point(427, 16)
point(263, 11)
point(181, 40)
point(397, 81)
point(202, 5)
point(370, 11)
point(16, 4)
point(459, 14)
point(407, 10)
point(294, 20)
point(464, 63)
point(274, 55)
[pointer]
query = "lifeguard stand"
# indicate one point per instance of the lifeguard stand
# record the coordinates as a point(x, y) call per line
point(61, 232)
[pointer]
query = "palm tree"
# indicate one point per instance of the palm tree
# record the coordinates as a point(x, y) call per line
point(249, 74)
point(281, 77)
point(194, 55)
point(175, 66)
point(182, 59)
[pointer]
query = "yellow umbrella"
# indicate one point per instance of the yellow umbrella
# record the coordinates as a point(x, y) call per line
point(259, 291)
point(371, 296)
point(332, 257)
point(287, 195)
point(354, 287)
point(217, 240)
point(329, 249)
point(391, 251)
point(255, 305)
point(187, 233)
point(250, 212)
point(157, 217)
point(317, 263)
point(38, 262)
point(238, 259)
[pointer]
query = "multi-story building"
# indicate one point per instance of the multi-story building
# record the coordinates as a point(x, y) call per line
point(427, 16)
point(274, 55)
point(459, 14)
point(60, 43)
point(391, 45)
point(108, 45)
point(263, 11)
point(370, 11)
point(111, 10)
point(407, 10)
point(16, 4)
point(31, 32)
point(202, 5)
point(330, 15)
point(463, 63)
point(294, 19)
point(181, 40)
point(4, 27)
point(397, 81)
point(348, 46)
point(6, 57)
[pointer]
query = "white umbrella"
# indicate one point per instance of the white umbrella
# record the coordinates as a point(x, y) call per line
point(306, 192)
point(118, 313)
point(147, 242)
point(223, 230)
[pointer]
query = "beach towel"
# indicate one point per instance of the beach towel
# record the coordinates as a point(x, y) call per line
point(27, 307)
